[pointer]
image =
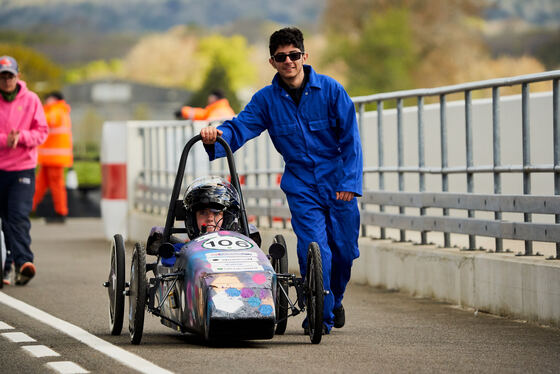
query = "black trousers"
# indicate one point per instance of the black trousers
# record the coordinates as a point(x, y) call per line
point(16, 200)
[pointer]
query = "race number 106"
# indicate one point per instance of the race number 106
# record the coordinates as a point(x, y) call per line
point(226, 243)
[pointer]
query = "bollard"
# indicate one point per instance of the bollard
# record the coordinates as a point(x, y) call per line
point(114, 205)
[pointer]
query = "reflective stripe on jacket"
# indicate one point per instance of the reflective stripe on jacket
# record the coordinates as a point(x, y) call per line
point(217, 110)
point(57, 149)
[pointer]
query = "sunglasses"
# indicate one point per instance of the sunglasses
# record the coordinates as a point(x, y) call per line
point(281, 57)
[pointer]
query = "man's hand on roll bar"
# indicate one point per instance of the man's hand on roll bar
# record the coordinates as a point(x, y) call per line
point(209, 134)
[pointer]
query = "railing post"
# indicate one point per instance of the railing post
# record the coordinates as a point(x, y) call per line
point(256, 164)
point(269, 178)
point(284, 220)
point(400, 157)
point(361, 112)
point(380, 157)
point(165, 157)
point(150, 165)
point(527, 217)
point(556, 137)
point(496, 152)
point(184, 138)
point(157, 171)
point(469, 157)
point(421, 161)
point(142, 133)
point(443, 148)
point(172, 158)
point(193, 159)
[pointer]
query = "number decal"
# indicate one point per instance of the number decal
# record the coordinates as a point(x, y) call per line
point(226, 243)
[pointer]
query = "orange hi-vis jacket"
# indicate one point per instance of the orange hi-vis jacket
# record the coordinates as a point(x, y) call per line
point(57, 149)
point(219, 109)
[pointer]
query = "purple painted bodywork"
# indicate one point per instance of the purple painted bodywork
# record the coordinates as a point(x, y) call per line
point(228, 287)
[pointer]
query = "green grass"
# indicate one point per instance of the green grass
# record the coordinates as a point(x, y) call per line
point(89, 173)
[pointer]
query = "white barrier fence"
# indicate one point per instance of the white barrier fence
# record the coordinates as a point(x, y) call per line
point(146, 153)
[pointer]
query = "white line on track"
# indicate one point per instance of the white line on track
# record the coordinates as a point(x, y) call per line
point(40, 351)
point(5, 326)
point(18, 337)
point(124, 357)
point(67, 367)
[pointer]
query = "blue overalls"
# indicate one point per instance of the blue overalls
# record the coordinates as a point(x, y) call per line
point(320, 144)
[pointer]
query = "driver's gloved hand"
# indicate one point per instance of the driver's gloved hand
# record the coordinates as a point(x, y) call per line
point(178, 114)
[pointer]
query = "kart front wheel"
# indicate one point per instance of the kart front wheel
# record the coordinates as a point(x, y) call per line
point(314, 294)
point(137, 295)
point(115, 285)
point(281, 267)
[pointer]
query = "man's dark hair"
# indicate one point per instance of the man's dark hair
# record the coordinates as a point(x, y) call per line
point(218, 93)
point(286, 36)
point(56, 94)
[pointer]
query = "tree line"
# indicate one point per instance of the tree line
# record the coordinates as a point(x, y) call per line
point(371, 46)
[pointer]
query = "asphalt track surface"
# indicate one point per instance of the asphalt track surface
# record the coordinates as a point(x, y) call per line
point(385, 331)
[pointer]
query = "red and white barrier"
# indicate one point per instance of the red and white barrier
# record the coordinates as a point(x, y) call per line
point(114, 204)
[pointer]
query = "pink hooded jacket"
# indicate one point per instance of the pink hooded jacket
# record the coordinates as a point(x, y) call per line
point(26, 115)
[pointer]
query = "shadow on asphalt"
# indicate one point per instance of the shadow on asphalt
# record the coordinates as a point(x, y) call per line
point(81, 203)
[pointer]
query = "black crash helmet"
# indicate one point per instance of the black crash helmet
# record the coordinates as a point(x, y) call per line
point(215, 193)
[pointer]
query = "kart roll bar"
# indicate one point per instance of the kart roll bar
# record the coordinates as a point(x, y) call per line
point(169, 223)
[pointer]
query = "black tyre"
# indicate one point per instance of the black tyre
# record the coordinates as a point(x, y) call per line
point(115, 285)
point(314, 294)
point(281, 267)
point(137, 295)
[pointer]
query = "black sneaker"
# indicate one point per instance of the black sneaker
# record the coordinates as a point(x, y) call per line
point(339, 317)
point(25, 273)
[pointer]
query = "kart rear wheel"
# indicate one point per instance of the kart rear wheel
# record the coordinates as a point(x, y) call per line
point(137, 295)
point(281, 267)
point(115, 285)
point(314, 293)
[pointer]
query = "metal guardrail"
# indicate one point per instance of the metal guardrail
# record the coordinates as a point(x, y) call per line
point(469, 169)
point(259, 166)
point(496, 203)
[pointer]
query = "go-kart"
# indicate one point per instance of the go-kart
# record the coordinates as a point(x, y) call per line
point(220, 285)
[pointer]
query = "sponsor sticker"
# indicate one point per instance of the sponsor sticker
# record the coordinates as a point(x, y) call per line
point(235, 266)
point(232, 256)
point(233, 261)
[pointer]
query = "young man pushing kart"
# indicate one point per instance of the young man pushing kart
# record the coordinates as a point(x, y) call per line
point(312, 123)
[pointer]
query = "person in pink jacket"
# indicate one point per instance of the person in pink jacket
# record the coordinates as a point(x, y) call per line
point(23, 128)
